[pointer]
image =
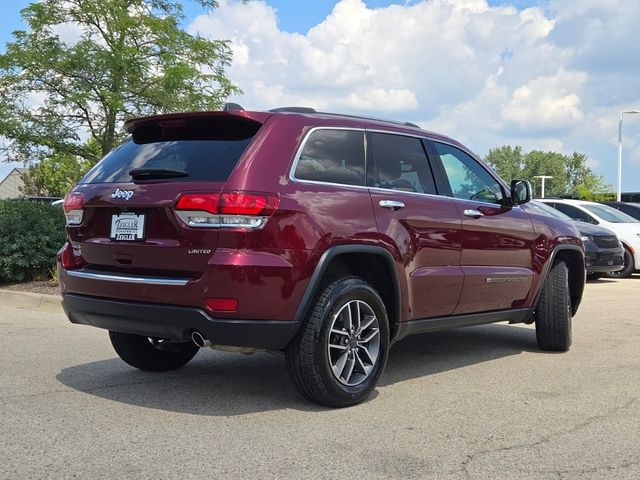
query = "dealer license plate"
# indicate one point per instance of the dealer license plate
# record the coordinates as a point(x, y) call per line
point(127, 226)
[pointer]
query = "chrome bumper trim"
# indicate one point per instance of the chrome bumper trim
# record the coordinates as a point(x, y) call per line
point(110, 277)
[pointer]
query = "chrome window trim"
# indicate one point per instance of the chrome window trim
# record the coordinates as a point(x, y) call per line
point(293, 178)
point(121, 278)
point(296, 158)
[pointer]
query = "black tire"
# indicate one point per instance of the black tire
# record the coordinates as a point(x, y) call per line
point(151, 355)
point(594, 276)
point(307, 358)
point(553, 312)
point(629, 267)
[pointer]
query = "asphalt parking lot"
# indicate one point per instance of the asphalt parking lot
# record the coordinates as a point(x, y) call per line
point(479, 402)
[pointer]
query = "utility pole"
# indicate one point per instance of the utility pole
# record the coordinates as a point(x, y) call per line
point(542, 179)
point(629, 112)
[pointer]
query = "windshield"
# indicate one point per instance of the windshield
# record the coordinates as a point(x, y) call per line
point(551, 211)
point(609, 214)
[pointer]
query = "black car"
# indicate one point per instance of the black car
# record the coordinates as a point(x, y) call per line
point(603, 251)
point(631, 209)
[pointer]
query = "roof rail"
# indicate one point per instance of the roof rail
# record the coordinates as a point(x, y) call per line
point(408, 124)
point(313, 110)
point(293, 110)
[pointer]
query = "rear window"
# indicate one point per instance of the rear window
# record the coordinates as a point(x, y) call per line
point(333, 156)
point(205, 150)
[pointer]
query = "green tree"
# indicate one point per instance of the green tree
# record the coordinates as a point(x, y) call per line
point(132, 58)
point(54, 176)
point(572, 175)
point(507, 161)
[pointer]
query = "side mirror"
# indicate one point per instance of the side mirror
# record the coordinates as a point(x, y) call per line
point(520, 192)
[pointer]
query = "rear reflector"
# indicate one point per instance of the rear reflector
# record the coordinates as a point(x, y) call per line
point(221, 304)
point(74, 208)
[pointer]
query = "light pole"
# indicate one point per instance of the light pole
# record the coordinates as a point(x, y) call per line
point(630, 112)
point(542, 179)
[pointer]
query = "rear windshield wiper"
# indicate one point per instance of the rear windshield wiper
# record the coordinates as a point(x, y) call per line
point(154, 173)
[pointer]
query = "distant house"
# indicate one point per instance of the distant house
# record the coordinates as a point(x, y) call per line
point(10, 185)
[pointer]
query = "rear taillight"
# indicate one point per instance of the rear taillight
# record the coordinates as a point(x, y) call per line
point(74, 208)
point(227, 209)
point(70, 257)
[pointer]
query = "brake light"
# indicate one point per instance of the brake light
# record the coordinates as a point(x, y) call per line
point(237, 203)
point(201, 202)
point(227, 209)
point(70, 257)
point(74, 208)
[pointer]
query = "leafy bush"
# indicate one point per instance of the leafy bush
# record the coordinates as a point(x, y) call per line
point(31, 233)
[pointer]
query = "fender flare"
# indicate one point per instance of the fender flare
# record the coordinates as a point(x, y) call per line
point(547, 268)
point(323, 264)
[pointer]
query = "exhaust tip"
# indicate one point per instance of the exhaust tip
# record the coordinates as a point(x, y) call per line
point(199, 340)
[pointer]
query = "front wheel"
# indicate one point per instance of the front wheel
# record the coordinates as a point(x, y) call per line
point(151, 354)
point(553, 312)
point(340, 352)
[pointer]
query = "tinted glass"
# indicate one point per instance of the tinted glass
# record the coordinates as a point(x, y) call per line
point(631, 210)
point(467, 178)
point(205, 150)
point(333, 156)
point(547, 210)
point(400, 163)
point(609, 214)
point(575, 213)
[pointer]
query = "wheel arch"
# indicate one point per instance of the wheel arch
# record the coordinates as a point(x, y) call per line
point(573, 256)
point(374, 264)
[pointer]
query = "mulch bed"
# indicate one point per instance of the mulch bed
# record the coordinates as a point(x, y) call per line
point(47, 287)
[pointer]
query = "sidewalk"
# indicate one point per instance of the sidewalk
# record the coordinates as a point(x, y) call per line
point(29, 300)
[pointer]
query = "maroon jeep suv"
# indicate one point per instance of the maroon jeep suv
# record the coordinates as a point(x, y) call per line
point(325, 236)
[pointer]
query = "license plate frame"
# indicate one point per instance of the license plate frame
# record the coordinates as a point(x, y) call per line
point(127, 226)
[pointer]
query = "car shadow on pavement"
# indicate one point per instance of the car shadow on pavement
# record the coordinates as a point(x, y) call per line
point(218, 384)
point(428, 354)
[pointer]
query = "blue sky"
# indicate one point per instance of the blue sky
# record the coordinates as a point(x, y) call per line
point(546, 74)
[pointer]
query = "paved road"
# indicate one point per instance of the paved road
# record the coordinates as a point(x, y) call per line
point(480, 402)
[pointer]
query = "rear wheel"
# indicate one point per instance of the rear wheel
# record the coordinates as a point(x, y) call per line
point(629, 267)
point(340, 352)
point(152, 354)
point(553, 313)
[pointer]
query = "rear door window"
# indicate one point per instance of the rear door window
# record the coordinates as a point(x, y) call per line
point(207, 150)
point(575, 213)
point(333, 156)
point(400, 163)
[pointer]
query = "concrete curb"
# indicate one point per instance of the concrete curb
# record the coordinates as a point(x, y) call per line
point(28, 299)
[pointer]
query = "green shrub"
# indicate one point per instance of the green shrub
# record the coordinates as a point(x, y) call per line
point(31, 233)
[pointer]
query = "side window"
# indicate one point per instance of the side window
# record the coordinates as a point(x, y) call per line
point(334, 156)
point(467, 178)
point(400, 163)
point(575, 213)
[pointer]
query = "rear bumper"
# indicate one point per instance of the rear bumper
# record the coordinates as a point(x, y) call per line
point(176, 322)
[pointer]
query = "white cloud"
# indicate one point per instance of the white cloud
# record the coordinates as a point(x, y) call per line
point(547, 102)
point(552, 78)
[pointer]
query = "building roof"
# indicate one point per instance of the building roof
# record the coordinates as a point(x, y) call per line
point(10, 185)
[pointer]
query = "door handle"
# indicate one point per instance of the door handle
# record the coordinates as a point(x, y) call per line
point(473, 213)
point(391, 204)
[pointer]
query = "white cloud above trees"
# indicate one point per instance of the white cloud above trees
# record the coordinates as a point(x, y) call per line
point(541, 77)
